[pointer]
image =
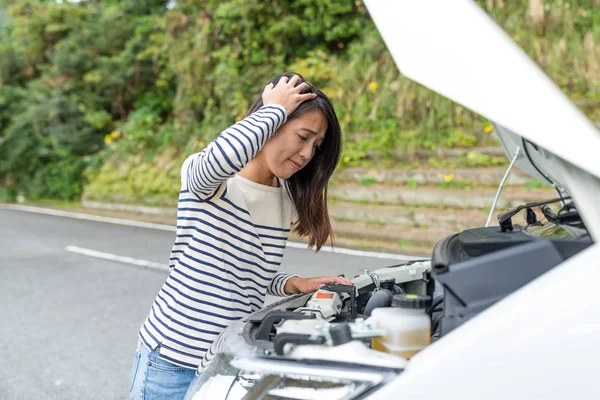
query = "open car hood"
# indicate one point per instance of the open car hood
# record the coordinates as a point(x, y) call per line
point(456, 50)
point(532, 158)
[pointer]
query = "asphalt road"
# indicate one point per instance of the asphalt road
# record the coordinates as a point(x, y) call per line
point(68, 322)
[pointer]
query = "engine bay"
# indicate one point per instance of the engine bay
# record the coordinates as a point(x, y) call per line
point(312, 317)
point(332, 342)
point(468, 272)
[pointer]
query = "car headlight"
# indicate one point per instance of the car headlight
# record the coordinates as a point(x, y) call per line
point(235, 378)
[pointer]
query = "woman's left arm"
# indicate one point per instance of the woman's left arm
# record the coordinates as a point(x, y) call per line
point(278, 284)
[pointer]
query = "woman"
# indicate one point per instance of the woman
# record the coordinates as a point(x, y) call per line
point(240, 197)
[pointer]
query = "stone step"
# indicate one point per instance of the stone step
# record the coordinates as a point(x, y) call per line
point(421, 155)
point(376, 215)
point(434, 197)
point(402, 235)
point(455, 219)
point(476, 177)
point(380, 245)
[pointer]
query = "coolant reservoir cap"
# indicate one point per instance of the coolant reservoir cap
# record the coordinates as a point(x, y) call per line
point(387, 283)
point(411, 301)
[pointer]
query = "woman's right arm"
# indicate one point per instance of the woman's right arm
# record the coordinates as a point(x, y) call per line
point(202, 173)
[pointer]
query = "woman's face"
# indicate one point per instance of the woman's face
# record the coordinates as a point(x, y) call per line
point(294, 144)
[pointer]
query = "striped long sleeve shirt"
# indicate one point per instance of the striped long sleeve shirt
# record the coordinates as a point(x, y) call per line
point(231, 234)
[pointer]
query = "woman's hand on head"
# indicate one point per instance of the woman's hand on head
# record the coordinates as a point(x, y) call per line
point(286, 93)
point(308, 285)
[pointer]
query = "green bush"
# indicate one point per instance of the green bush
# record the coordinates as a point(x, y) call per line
point(8, 194)
point(134, 81)
point(135, 181)
point(62, 179)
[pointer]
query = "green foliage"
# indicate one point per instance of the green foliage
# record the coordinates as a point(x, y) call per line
point(8, 194)
point(564, 39)
point(456, 185)
point(471, 159)
point(69, 74)
point(10, 104)
point(474, 159)
point(411, 184)
point(535, 184)
point(368, 181)
point(405, 243)
point(46, 141)
point(62, 179)
point(86, 82)
point(135, 181)
point(222, 53)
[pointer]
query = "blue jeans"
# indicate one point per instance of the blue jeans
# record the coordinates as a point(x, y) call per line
point(153, 378)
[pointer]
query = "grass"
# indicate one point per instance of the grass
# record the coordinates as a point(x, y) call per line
point(465, 185)
point(411, 184)
point(65, 204)
point(368, 181)
point(405, 243)
point(471, 159)
point(535, 184)
point(377, 223)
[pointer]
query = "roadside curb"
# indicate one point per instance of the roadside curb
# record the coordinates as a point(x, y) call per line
point(390, 254)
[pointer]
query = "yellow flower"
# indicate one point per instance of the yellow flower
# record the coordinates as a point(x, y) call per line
point(373, 86)
point(109, 137)
point(448, 177)
point(488, 128)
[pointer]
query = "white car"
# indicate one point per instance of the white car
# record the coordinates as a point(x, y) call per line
point(516, 314)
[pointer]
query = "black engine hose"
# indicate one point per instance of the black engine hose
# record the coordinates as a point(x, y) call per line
point(381, 298)
point(436, 302)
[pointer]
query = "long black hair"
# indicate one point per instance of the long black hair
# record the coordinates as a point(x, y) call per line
point(308, 187)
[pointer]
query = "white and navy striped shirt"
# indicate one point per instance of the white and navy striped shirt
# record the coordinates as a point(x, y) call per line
point(231, 234)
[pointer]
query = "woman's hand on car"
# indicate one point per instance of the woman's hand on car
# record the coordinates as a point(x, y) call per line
point(286, 93)
point(296, 284)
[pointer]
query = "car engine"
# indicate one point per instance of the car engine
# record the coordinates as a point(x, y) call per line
point(469, 271)
point(278, 331)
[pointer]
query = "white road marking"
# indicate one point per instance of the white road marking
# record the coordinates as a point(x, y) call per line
point(169, 228)
point(114, 257)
